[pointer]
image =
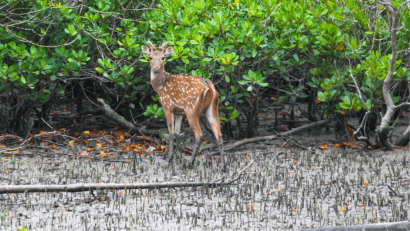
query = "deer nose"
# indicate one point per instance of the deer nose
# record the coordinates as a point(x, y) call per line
point(156, 69)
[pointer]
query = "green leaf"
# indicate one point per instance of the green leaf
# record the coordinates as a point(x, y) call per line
point(344, 106)
point(321, 96)
point(254, 52)
point(206, 60)
point(368, 104)
point(313, 85)
point(33, 49)
point(354, 44)
point(223, 119)
point(249, 88)
point(324, 12)
point(322, 40)
point(233, 114)
point(227, 79)
point(197, 4)
point(186, 61)
point(14, 78)
point(59, 90)
point(347, 100)
point(101, 62)
point(243, 82)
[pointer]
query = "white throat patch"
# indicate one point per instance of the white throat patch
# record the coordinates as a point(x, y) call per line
point(153, 75)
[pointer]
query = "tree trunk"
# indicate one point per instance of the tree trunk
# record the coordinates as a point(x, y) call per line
point(404, 139)
point(312, 106)
point(382, 139)
point(383, 129)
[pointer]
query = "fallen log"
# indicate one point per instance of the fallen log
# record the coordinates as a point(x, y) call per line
point(280, 136)
point(396, 226)
point(121, 120)
point(101, 186)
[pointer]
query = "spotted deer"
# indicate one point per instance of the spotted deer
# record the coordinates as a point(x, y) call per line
point(182, 94)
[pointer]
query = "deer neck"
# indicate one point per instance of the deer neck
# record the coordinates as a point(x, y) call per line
point(158, 80)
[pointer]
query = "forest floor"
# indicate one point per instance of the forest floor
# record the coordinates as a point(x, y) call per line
point(285, 188)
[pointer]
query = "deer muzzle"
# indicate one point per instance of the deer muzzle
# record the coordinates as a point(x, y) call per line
point(156, 70)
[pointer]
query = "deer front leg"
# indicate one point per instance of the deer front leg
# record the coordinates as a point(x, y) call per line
point(198, 142)
point(177, 130)
point(170, 123)
point(194, 124)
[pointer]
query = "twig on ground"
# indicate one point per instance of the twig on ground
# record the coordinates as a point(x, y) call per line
point(280, 136)
point(57, 133)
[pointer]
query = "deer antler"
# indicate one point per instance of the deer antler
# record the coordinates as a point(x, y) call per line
point(153, 48)
point(164, 45)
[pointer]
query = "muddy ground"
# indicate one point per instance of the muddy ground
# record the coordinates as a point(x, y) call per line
point(284, 189)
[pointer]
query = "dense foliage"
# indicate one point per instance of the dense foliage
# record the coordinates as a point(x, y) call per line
point(324, 51)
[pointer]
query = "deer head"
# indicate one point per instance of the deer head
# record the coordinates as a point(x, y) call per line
point(157, 56)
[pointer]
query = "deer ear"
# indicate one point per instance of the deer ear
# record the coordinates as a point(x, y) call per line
point(145, 50)
point(169, 51)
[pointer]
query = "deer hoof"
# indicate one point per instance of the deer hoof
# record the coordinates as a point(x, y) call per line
point(169, 157)
point(184, 166)
point(191, 164)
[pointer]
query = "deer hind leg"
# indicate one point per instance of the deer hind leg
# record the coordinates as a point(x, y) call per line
point(212, 116)
point(170, 123)
point(177, 129)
